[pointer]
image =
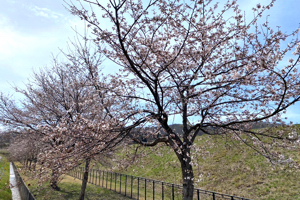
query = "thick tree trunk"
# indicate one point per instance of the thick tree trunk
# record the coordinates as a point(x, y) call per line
point(187, 177)
point(54, 180)
point(34, 165)
point(85, 179)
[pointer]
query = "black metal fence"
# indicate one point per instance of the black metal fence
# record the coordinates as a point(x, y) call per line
point(143, 188)
point(24, 191)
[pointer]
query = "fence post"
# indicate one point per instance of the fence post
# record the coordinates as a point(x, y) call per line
point(153, 190)
point(111, 177)
point(120, 183)
point(145, 189)
point(162, 188)
point(115, 181)
point(106, 178)
point(93, 176)
point(214, 196)
point(96, 177)
point(99, 177)
point(131, 187)
point(102, 178)
point(125, 184)
point(173, 195)
point(138, 188)
point(198, 195)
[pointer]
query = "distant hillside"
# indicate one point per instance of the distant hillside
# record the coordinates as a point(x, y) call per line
point(145, 134)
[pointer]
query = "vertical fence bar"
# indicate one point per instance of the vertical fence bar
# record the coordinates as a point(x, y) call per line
point(214, 196)
point(102, 178)
point(111, 178)
point(79, 173)
point(96, 177)
point(91, 180)
point(138, 188)
point(145, 189)
point(198, 195)
point(106, 178)
point(173, 195)
point(115, 181)
point(99, 176)
point(153, 190)
point(125, 184)
point(90, 176)
point(162, 191)
point(131, 187)
point(120, 183)
point(93, 177)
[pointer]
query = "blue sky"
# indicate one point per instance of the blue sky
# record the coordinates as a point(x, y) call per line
point(32, 30)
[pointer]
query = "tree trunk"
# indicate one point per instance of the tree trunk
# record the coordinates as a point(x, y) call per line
point(187, 177)
point(26, 163)
point(85, 179)
point(34, 165)
point(29, 165)
point(53, 180)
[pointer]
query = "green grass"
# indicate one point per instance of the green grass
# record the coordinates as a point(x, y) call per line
point(225, 167)
point(5, 193)
point(69, 189)
point(222, 165)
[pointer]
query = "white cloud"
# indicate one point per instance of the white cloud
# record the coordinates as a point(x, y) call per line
point(45, 12)
point(21, 52)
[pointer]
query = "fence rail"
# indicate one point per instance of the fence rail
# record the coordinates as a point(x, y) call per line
point(142, 188)
point(24, 191)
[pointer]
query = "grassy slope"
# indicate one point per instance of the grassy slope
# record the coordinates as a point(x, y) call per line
point(5, 193)
point(226, 167)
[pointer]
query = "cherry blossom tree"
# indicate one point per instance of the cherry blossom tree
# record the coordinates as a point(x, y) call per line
point(59, 106)
point(196, 61)
point(25, 148)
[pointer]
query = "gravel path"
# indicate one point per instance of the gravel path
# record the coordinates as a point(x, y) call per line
point(13, 184)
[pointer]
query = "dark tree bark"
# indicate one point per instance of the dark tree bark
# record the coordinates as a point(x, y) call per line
point(85, 179)
point(54, 180)
point(187, 176)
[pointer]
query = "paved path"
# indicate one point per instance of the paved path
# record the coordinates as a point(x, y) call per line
point(13, 184)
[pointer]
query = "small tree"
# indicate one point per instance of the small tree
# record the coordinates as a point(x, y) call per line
point(218, 73)
point(26, 148)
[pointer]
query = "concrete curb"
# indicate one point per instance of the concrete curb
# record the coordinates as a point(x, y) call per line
point(13, 184)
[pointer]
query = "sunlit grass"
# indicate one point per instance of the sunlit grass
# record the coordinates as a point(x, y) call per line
point(226, 167)
point(5, 192)
point(69, 189)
